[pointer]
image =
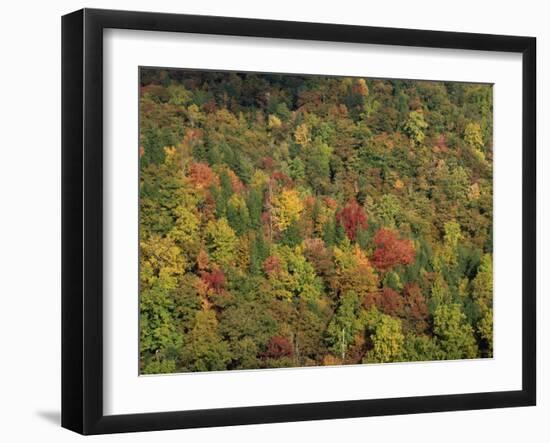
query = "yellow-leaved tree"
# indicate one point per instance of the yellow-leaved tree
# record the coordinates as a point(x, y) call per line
point(287, 208)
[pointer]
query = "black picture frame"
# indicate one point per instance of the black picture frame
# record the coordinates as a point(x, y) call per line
point(82, 215)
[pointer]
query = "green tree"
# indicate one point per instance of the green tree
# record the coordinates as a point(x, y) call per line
point(157, 321)
point(414, 127)
point(485, 331)
point(317, 167)
point(452, 237)
point(221, 242)
point(455, 335)
point(255, 205)
point(482, 285)
point(344, 326)
point(388, 209)
point(421, 348)
point(204, 349)
point(386, 337)
point(473, 136)
point(238, 215)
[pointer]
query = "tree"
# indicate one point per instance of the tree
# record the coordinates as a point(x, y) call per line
point(352, 218)
point(202, 176)
point(302, 135)
point(214, 280)
point(452, 236)
point(161, 261)
point(292, 236)
point(254, 204)
point(224, 194)
point(333, 232)
point(353, 271)
point(415, 307)
point(287, 208)
point(204, 349)
point(473, 136)
point(414, 127)
point(297, 169)
point(278, 347)
point(391, 302)
point(185, 231)
point(317, 166)
point(421, 348)
point(157, 326)
point(237, 214)
point(485, 330)
point(221, 242)
point(391, 251)
point(386, 338)
point(387, 210)
point(295, 276)
point(320, 257)
point(259, 251)
point(455, 335)
point(482, 285)
point(345, 324)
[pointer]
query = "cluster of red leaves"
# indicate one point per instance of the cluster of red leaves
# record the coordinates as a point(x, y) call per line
point(391, 302)
point(278, 347)
point(309, 202)
point(272, 265)
point(278, 176)
point(415, 306)
point(309, 100)
point(391, 251)
point(319, 256)
point(209, 106)
point(330, 202)
point(215, 280)
point(386, 300)
point(268, 163)
point(352, 217)
point(202, 176)
point(236, 183)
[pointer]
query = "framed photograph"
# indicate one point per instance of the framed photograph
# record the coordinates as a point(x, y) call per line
point(270, 221)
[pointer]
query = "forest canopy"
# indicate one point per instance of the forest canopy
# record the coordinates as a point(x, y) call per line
point(292, 221)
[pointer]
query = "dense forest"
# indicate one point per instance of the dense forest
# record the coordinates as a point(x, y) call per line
point(293, 221)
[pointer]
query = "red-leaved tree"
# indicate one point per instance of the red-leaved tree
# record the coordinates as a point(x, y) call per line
point(416, 308)
point(352, 217)
point(391, 250)
point(278, 347)
point(386, 300)
point(272, 265)
point(202, 176)
point(215, 280)
point(390, 302)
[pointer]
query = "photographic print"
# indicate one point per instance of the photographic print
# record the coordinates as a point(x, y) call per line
point(292, 220)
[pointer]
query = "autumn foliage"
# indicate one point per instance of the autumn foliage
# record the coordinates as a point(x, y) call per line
point(202, 176)
point(391, 250)
point(278, 347)
point(352, 217)
point(215, 280)
point(296, 220)
point(272, 265)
